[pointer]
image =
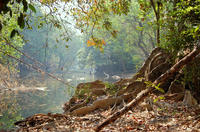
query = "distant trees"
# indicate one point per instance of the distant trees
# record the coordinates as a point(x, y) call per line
point(45, 45)
point(124, 52)
point(140, 25)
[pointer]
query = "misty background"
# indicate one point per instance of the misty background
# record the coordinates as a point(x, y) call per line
point(57, 47)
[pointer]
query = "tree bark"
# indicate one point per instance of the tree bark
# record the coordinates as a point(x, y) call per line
point(141, 72)
point(157, 14)
point(178, 66)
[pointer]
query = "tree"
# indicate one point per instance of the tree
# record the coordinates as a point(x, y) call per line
point(10, 25)
point(125, 51)
point(49, 46)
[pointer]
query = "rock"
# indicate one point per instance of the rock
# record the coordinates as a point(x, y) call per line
point(115, 77)
point(97, 88)
point(98, 92)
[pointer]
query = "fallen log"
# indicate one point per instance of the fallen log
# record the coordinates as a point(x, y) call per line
point(140, 97)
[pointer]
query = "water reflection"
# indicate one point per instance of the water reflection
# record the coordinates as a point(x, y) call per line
point(48, 96)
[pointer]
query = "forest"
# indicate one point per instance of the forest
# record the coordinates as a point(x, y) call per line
point(99, 65)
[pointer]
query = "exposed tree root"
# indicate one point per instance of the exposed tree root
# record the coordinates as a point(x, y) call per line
point(103, 104)
point(132, 86)
point(177, 67)
point(143, 69)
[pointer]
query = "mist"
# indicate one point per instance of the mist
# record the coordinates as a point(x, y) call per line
point(57, 57)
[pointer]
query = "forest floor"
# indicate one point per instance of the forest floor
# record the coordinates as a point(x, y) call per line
point(175, 111)
point(171, 116)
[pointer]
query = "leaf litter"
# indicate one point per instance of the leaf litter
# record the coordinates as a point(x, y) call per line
point(168, 116)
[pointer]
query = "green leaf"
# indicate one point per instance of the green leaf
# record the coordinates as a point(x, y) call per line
point(196, 29)
point(160, 89)
point(158, 98)
point(32, 8)
point(161, 97)
point(66, 46)
point(158, 85)
point(148, 84)
point(155, 100)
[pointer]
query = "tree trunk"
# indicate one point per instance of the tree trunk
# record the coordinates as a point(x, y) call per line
point(157, 14)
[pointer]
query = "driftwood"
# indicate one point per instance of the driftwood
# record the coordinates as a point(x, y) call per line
point(140, 97)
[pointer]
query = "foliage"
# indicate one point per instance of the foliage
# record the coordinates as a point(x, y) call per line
point(158, 98)
point(113, 59)
point(83, 92)
point(111, 88)
point(49, 46)
point(19, 12)
point(150, 84)
point(92, 14)
point(183, 26)
point(98, 14)
point(9, 24)
point(126, 50)
point(178, 21)
point(88, 15)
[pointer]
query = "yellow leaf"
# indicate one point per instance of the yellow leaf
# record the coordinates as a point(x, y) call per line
point(103, 42)
point(90, 43)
